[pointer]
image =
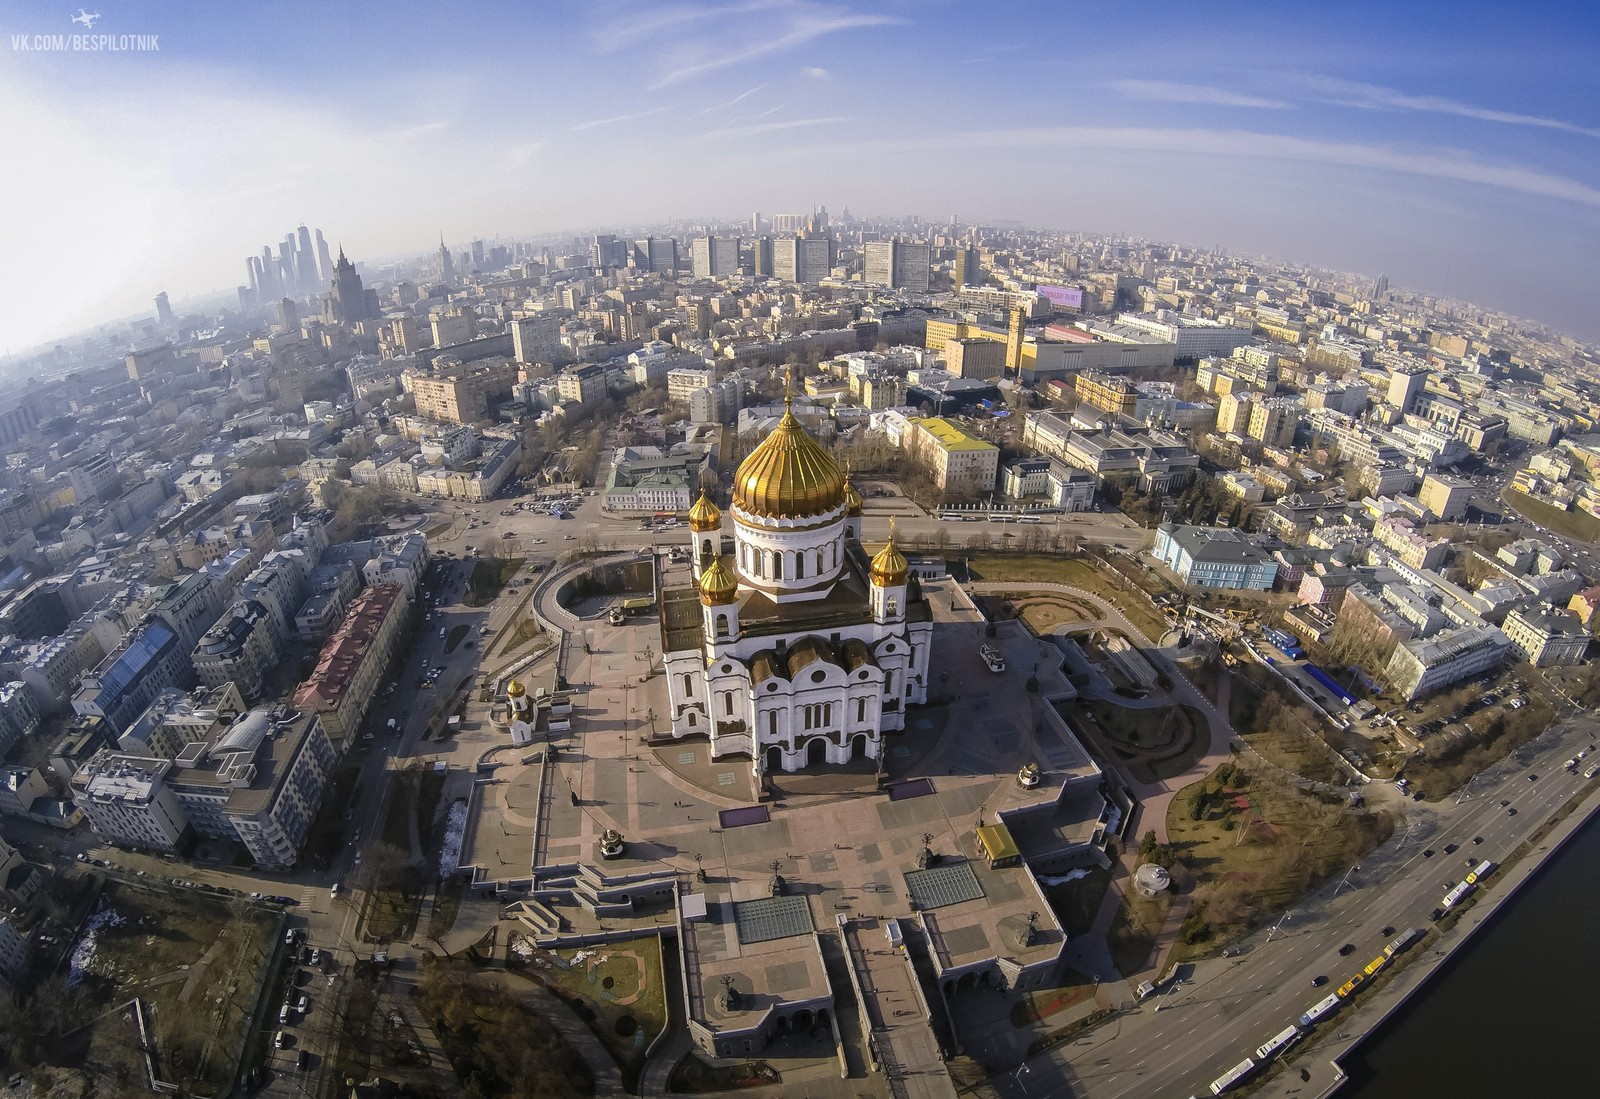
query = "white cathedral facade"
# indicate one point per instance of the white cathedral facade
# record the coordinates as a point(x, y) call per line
point(797, 650)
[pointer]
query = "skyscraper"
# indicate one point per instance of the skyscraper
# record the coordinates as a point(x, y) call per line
point(714, 257)
point(347, 300)
point(805, 258)
point(324, 264)
point(761, 256)
point(477, 254)
point(447, 267)
point(305, 261)
point(288, 315)
point(902, 264)
point(163, 309)
point(755, 223)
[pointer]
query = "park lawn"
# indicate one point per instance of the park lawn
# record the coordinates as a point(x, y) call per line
point(198, 1014)
point(1260, 844)
point(1572, 524)
point(1076, 572)
point(1133, 933)
point(391, 912)
point(628, 1015)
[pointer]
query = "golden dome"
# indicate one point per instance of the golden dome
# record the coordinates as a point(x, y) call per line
point(704, 515)
point(852, 498)
point(789, 476)
point(889, 568)
point(718, 585)
point(515, 689)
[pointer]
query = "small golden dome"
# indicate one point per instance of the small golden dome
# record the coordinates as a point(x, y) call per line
point(718, 585)
point(515, 689)
point(705, 515)
point(789, 476)
point(889, 568)
point(852, 498)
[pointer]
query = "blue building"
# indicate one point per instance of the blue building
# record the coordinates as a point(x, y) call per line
point(1214, 557)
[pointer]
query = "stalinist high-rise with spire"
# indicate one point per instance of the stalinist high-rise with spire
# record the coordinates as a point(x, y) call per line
point(799, 647)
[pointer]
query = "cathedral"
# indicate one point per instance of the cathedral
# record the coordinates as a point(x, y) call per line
point(794, 648)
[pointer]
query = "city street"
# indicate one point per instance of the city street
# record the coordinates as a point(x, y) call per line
point(1179, 1041)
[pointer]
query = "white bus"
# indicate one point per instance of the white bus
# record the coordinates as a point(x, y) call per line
point(1321, 1009)
point(1235, 1075)
point(1278, 1043)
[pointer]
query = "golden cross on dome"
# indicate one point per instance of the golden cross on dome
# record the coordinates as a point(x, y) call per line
point(788, 387)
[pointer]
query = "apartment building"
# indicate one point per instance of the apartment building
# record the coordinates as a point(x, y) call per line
point(1420, 666)
point(1214, 557)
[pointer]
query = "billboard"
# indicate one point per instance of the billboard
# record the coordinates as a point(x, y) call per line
point(1062, 297)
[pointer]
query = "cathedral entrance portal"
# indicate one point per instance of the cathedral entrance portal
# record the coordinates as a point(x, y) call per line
point(858, 746)
point(816, 751)
point(774, 760)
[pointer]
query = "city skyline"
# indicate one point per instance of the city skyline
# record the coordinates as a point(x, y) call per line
point(1458, 168)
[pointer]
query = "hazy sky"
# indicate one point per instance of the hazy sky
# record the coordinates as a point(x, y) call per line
point(1455, 146)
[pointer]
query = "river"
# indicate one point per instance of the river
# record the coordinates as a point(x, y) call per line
point(1510, 1013)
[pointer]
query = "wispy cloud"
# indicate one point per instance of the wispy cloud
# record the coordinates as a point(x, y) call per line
point(411, 133)
point(1439, 163)
point(736, 99)
point(618, 118)
point(1373, 97)
point(795, 23)
point(816, 73)
point(1162, 91)
point(773, 127)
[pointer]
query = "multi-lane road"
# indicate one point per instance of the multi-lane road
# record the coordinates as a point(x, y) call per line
point(1180, 1040)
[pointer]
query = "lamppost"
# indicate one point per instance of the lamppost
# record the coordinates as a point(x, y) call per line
point(1016, 1077)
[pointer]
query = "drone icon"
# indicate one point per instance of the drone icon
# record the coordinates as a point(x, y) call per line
point(87, 18)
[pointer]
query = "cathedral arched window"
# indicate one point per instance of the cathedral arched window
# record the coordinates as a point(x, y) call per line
point(688, 685)
point(799, 566)
point(705, 547)
point(772, 722)
point(727, 702)
point(820, 565)
point(777, 565)
point(722, 624)
point(861, 710)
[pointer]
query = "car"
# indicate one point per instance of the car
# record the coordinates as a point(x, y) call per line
point(1417, 796)
point(1388, 930)
point(1504, 803)
point(256, 896)
point(1477, 840)
point(1428, 854)
point(302, 1061)
point(1319, 980)
point(1511, 812)
point(316, 956)
point(1436, 914)
point(1451, 848)
point(1346, 949)
point(280, 1039)
point(303, 1004)
point(1533, 778)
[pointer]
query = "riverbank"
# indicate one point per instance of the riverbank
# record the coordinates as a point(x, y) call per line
point(1323, 1058)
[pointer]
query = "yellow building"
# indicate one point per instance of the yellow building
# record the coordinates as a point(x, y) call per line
point(959, 462)
point(1233, 413)
point(459, 393)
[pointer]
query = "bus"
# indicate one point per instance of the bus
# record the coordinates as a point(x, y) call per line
point(1375, 965)
point(1460, 893)
point(1279, 1042)
point(1481, 871)
point(1404, 942)
point(1235, 1075)
point(1321, 1009)
point(1348, 989)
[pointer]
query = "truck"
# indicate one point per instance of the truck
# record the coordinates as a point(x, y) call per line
point(1279, 1042)
point(1321, 1009)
